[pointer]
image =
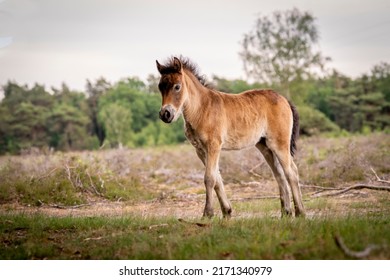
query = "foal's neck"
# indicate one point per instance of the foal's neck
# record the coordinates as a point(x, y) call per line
point(197, 101)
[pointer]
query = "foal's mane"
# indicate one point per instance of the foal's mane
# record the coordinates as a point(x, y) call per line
point(188, 65)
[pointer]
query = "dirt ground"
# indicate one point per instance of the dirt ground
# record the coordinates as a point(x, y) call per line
point(251, 199)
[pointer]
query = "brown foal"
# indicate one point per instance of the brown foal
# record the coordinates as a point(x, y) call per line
point(216, 121)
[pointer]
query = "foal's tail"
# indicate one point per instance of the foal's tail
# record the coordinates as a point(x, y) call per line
point(295, 129)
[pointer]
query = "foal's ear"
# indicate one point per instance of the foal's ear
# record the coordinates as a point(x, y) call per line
point(159, 67)
point(177, 64)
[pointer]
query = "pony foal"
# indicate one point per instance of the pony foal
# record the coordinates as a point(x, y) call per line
point(216, 121)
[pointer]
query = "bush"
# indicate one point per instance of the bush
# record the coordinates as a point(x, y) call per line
point(314, 122)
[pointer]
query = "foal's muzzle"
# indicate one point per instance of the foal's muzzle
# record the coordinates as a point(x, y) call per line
point(167, 113)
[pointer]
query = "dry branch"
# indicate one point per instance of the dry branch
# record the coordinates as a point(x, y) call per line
point(94, 238)
point(44, 176)
point(69, 175)
point(377, 177)
point(69, 207)
point(92, 184)
point(318, 187)
point(252, 171)
point(355, 187)
point(255, 198)
point(355, 254)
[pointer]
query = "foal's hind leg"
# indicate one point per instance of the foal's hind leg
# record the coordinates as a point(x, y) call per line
point(219, 189)
point(291, 173)
point(280, 179)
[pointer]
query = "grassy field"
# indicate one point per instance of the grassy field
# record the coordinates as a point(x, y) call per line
point(147, 204)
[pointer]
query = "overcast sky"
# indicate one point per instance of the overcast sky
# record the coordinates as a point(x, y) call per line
point(51, 42)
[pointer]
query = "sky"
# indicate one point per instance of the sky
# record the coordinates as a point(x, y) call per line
point(50, 42)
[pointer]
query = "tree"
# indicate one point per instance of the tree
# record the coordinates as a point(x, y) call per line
point(281, 49)
point(24, 113)
point(356, 108)
point(68, 128)
point(94, 93)
point(380, 74)
point(153, 83)
point(117, 124)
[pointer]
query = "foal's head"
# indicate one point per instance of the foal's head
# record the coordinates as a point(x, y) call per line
point(173, 90)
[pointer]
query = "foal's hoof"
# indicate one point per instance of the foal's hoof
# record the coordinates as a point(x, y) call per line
point(227, 214)
point(286, 214)
point(300, 214)
point(208, 214)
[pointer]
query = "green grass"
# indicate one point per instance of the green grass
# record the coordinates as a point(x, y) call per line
point(40, 237)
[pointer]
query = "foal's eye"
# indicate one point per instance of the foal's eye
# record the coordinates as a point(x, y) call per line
point(177, 87)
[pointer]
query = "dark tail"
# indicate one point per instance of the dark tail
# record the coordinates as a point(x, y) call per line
point(295, 129)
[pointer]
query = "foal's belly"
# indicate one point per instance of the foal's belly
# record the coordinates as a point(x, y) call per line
point(238, 141)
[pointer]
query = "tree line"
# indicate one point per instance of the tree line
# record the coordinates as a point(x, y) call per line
point(278, 53)
point(122, 114)
point(126, 113)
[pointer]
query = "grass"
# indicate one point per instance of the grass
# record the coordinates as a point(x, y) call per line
point(135, 198)
point(132, 237)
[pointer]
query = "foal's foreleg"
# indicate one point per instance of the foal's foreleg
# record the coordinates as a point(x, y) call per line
point(219, 187)
point(223, 200)
point(211, 176)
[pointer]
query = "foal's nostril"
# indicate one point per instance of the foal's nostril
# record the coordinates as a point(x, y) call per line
point(167, 115)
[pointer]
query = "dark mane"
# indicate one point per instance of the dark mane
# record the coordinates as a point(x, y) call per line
point(187, 65)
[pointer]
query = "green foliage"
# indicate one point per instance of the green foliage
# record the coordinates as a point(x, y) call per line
point(140, 126)
point(116, 120)
point(122, 114)
point(94, 93)
point(353, 105)
point(234, 86)
point(67, 127)
point(23, 122)
point(380, 79)
point(313, 122)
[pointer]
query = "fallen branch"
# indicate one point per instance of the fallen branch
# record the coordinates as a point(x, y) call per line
point(318, 187)
point(355, 254)
point(355, 187)
point(69, 207)
point(256, 197)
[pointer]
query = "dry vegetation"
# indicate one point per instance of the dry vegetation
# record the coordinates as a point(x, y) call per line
point(169, 180)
